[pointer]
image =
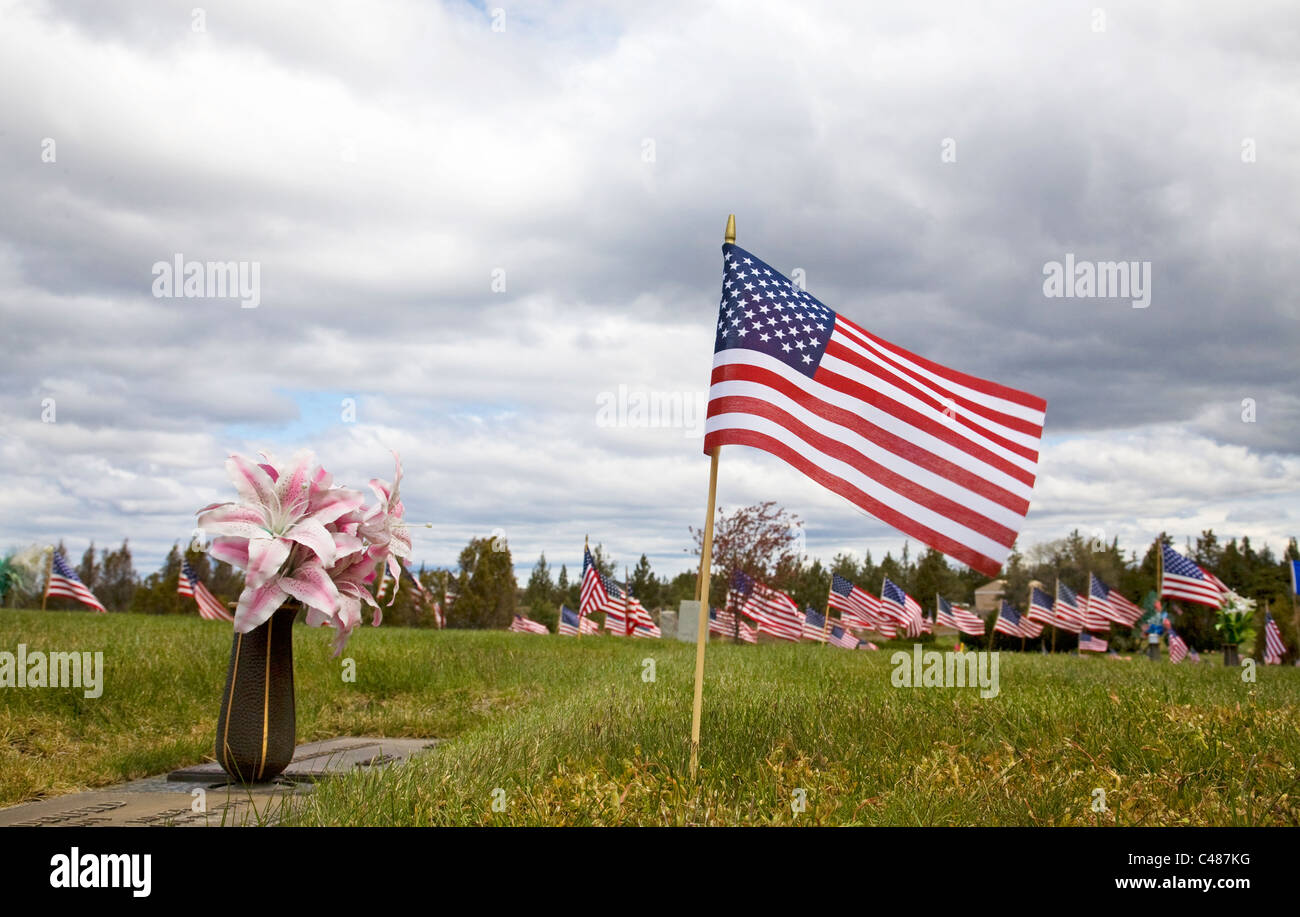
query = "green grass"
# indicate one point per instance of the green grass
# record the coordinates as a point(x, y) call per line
point(571, 734)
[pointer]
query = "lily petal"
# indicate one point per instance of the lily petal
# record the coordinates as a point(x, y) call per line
point(252, 481)
point(312, 586)
point(265, 557)
point(257, 605)
point(311, 534)
point(233, 551)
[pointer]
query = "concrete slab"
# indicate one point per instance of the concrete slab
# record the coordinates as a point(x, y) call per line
point(202, 795)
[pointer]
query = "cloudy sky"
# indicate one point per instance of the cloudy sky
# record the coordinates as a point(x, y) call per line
point(474, 227)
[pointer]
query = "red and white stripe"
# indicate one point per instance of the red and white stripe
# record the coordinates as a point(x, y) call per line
point(1274, 648)
point(942, 456)
point(724, 624)
point(774, 612)
point(1125, 612)
point(74, 589)
point(967, 621)
point(210, 607)
point(523, 625)
point(858, 609)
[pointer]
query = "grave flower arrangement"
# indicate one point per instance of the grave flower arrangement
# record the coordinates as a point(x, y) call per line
point(303, 543)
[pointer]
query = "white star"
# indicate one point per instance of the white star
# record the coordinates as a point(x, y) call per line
point(765, 338)
point(807, 359)
point(785, 347)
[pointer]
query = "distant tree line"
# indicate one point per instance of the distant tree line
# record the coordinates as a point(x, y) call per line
point(763, 541)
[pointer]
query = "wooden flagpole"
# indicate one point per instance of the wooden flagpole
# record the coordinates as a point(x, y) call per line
point(992, 630)
point(586, 541)
point(1056, 597)
point(1160, 573)
point(49, 570)
point(702, 584)
point(826, 624)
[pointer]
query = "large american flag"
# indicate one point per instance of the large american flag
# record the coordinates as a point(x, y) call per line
point(773, 611)
point(1184, 579)
point(1177, 647)
point(724, 624)
point(857, 607)
point(900, 607)
point(1089, 643)
point(942, 456)
point(1097, 610)
point(63, 580)
point(1068, 616)
point(960, 617)
point(1274, 648)
point(1008, 621)
point(594, 595)
point(1040, 607)
point(210, 607)
point(525, 625)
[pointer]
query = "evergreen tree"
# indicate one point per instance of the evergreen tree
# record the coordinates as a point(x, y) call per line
point(539, 596)
point(645, 586)
point(486, 587)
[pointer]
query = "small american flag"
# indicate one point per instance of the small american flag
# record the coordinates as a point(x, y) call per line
point(594, 594)
point(1177, 647)
point(1126, 612)
point(1184, 579)
point(523, 625)
point(724, 624)
point(569, 622)
point(857, 607)
point(945, 457)
point(1096, 608)
point(1068, 616)
point(960, 617)
point(773, 611)
point(1193, 655)
point(900, 607)
point(843, 639)
point(1008, 621)
point(210, 606)
point(1274, 648)
point(615, 607)
point(1091, 644)
point(63, 580)
point(642, 624)
point(1040, 606)
point(814, 626)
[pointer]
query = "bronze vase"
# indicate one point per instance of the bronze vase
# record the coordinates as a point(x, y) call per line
point(255, 730)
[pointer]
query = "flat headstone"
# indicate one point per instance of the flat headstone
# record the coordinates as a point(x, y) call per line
point(319, 759)
point(172, 799)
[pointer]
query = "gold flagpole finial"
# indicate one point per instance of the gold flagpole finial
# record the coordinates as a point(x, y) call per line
point(730, 234)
